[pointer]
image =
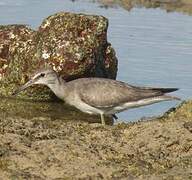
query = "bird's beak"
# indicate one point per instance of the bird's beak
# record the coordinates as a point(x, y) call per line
point(29, 83)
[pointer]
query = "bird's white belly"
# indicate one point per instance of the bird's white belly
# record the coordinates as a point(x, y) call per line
point(135, 104)
point(85, 107)
point(88, 109)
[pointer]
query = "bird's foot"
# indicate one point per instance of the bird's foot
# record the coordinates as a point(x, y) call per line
point(114, 117)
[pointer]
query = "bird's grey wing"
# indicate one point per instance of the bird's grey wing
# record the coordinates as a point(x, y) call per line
point(106, 93)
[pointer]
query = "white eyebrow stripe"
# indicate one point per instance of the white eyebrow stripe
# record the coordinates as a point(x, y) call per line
point(38, 75)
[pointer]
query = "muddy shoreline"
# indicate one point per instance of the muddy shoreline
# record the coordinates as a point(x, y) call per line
point(184, 6)
point(45, 148)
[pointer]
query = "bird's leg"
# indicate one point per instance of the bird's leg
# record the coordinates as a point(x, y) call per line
point(102, 119)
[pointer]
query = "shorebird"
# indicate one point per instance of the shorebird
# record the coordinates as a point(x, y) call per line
point(99, 95)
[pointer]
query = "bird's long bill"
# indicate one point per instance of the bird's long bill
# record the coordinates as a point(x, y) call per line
point(17, 91)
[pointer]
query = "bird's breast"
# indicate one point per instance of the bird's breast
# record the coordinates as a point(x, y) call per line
point(75, 101)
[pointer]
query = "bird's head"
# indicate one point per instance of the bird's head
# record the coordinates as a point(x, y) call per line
point(45, 77)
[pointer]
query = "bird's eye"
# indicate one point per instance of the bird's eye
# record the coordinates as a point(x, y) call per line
point(42, 74)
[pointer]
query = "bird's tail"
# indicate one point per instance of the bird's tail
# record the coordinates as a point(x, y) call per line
point(165, 90)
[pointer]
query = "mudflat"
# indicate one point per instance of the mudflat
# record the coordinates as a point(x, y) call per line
point(44, 148)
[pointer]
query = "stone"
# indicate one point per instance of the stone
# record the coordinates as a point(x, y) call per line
point(75, 45)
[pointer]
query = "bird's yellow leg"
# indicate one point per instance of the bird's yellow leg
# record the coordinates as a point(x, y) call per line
point(102, 119)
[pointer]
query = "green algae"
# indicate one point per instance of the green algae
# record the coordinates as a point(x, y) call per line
point(51, 110)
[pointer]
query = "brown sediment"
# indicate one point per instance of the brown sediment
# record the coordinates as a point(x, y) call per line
point(50, 148)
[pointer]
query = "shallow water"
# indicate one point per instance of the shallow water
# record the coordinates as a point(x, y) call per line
point(154, 48)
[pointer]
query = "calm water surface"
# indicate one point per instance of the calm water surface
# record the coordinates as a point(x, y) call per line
point(154, 48)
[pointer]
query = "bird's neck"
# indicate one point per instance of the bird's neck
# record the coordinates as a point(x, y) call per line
point(58, 87)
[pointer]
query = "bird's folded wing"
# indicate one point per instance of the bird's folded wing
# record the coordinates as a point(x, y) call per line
point(107, 94)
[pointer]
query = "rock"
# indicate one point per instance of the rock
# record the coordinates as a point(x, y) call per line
point(15, 49)
point(75, 45)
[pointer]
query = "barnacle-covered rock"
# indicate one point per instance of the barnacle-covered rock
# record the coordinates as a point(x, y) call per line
point(15, 45)
point(75, 45)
